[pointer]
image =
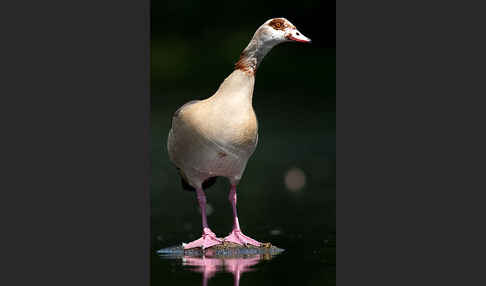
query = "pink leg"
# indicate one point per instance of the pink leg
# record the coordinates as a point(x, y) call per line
point(208, 237)
point(236, 235)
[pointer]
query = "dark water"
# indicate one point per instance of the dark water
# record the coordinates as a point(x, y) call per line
point(286, 197)
point(302, 264)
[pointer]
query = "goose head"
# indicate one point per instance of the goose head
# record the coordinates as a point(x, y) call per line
point(279, 30)
point(268, 35)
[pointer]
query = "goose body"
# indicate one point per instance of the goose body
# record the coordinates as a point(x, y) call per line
point(216, 136)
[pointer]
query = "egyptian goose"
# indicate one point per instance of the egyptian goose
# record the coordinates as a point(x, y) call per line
point(216, 136)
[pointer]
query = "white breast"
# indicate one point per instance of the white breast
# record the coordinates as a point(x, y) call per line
point(216, 136)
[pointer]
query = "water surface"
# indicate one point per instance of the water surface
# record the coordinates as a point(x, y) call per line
point(302, 265)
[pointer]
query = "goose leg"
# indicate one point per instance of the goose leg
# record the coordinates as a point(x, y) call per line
point(208, 237)
point(236, 236)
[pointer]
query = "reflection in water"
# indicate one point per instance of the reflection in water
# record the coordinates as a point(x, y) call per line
point(237, 266)
point(236, 261)
point(209, 266)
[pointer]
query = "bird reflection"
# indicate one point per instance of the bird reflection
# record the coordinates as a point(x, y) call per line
point(236, 260)
point(210, 266)
point(207, 266)
point(237, 266)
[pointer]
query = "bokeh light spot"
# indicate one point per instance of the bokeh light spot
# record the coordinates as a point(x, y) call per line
point(295, 179)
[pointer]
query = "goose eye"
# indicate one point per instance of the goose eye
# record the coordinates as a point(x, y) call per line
point(277, 24)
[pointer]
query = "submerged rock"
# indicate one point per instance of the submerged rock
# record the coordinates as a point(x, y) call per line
point(224, 250)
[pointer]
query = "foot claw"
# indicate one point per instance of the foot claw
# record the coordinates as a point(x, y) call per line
point(239, 238)
point(207, 240)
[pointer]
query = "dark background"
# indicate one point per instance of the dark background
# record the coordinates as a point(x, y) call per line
point(194, 47)
point(195, 44)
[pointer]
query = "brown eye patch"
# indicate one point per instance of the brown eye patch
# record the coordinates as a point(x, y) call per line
point(278, 24)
